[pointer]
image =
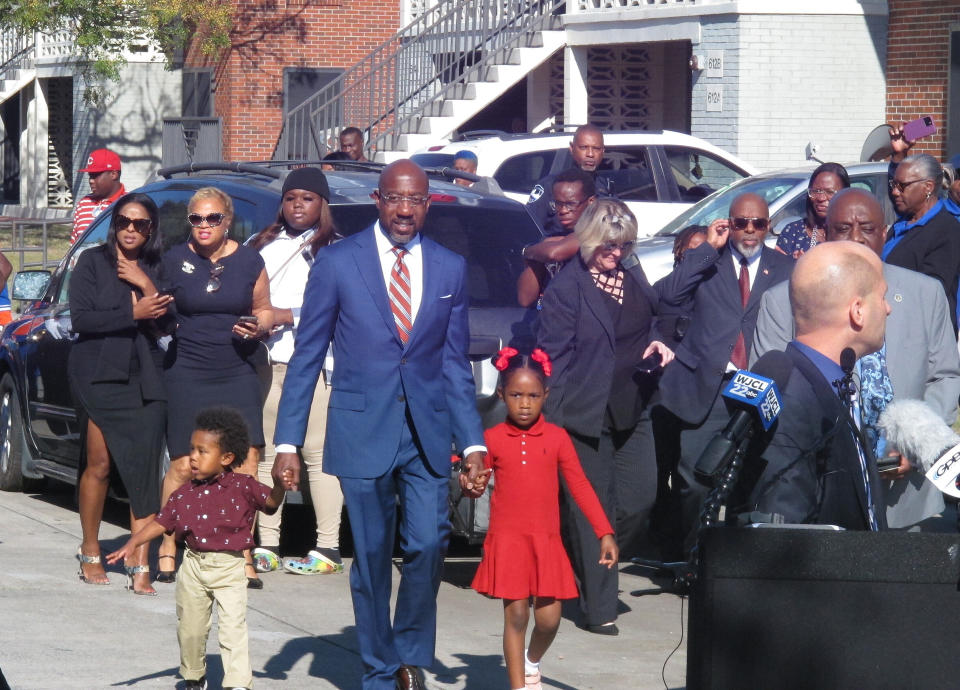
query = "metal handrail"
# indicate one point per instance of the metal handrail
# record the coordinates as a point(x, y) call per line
point(431, 58)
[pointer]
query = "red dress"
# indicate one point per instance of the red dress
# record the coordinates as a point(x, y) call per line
point(523, 554)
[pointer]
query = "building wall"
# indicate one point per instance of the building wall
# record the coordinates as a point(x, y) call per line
point(791, 80)
point(248, 78)
point(130, 123)
point(918, 57)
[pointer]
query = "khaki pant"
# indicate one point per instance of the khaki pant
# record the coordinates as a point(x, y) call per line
point(205, 577)
point(325, 492)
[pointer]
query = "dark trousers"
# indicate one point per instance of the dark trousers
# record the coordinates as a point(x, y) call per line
point(679, 446)
point(621, 466)
point(424, 533)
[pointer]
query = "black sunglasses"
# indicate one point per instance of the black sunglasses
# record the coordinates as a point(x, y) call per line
point(214, 283)
point(141, 225)
point(213, 219)
point(742, 223)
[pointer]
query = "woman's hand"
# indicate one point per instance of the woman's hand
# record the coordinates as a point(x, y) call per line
point(609, 553)
point(249, 329)
point(130, 272)
point(152, 307)
point(666, 354)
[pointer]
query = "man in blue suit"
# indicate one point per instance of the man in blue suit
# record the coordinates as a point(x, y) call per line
point(394, 304)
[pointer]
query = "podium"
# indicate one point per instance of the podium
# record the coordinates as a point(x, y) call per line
point(782, 608)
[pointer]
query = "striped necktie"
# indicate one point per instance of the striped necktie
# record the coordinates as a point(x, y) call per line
point(399, 291)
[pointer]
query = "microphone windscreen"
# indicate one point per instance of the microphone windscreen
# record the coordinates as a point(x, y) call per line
point(848, 358)
point(916, 431)
point(774, 365)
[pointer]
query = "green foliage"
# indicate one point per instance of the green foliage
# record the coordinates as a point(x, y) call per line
point(102, 30)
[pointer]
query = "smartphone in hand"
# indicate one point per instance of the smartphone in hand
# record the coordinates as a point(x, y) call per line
point(919, 128)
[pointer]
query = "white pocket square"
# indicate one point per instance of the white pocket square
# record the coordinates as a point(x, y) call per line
point(446, 297)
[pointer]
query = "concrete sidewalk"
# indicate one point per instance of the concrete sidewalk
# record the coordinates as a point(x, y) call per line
point(60, 633)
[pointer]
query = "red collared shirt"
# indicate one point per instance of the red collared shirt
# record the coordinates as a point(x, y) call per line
point(89, 208)
point(215, 514)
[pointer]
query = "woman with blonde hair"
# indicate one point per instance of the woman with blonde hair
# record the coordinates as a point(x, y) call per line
point(222, 300)
point(597, 327)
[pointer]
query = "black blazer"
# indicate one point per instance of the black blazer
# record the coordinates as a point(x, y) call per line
point(809, 469)
point(101, 314)
point(934, 250)
point(706, 279)
point(578, 332)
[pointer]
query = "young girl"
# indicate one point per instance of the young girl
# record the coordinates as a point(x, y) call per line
point(213, 514)
point(523, 555)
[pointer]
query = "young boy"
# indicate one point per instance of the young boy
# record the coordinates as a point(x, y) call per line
point(213, 514)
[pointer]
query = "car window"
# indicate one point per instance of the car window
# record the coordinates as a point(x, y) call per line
point(627, 171)
point(433, 160)
point(795, 208)
point(490, 239)
point(699, 174)
point(717, 205)
point(520, 173)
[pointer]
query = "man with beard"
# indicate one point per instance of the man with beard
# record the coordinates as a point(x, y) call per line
point(721, 282)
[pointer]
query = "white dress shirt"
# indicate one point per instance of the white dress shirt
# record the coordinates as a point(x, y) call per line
point(413, 260)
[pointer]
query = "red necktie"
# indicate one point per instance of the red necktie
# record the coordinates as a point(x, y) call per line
point(739, 354)
point(399, 291)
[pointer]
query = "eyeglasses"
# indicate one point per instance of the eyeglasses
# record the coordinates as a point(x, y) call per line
point(821, 193)
point(900, 186)
point(624, 247)
point(758, 223)
point(565, 205)
point(214, 283)
point(213, 219)
point(140, 225)
point(397, 199)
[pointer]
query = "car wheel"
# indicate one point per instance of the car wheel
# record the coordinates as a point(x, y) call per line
point(11, 437)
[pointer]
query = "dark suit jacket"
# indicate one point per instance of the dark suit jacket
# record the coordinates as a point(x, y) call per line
point(809, 469)
point(690, 384)
point(578, 332)
point(377, 378)
point(101, 314)
point(934, 250)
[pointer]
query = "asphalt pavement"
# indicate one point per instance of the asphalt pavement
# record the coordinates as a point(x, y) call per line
point(60, 633)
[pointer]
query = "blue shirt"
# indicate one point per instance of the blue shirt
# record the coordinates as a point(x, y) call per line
point(902, 227)
point(829, 369)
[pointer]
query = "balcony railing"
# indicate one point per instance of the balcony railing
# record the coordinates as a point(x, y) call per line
point(613, 5)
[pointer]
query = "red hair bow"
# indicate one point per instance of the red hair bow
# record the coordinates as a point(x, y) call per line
point(543, 358)
point(503, 358)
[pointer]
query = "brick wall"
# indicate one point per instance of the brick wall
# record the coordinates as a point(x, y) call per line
point(918, 56)
point(270, 35)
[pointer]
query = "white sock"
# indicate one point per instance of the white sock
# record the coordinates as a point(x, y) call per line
point(529, 668)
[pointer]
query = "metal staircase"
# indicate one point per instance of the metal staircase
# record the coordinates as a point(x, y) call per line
point(429, 78)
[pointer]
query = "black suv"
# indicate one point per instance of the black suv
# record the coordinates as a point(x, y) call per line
point(39, 435)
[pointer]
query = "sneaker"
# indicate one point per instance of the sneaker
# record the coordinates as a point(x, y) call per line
point(265, 560)
point(196, 684)
point(314, 563)
point(532, 681)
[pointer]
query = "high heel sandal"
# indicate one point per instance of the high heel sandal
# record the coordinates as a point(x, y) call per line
point(167, 577)
point(134, 570)
point(89, 560)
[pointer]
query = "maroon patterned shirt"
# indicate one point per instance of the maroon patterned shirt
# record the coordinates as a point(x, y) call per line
point(215, 514)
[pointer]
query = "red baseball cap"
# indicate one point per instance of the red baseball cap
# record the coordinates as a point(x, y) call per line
point(100, 160)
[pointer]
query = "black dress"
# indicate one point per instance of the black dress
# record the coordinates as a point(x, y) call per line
point(207, 365)
point(114, 375)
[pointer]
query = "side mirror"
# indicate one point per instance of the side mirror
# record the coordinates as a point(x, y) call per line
point(30, 286)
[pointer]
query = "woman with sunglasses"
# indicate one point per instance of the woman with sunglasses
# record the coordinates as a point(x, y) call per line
point(222, 299)
point(802, 235)
point(304, 226)
point(597, 326)
point(114, 374)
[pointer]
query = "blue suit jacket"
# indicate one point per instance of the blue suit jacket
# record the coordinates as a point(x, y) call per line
point(376, 377)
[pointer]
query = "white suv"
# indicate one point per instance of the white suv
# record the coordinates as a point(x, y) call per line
point(658, 174)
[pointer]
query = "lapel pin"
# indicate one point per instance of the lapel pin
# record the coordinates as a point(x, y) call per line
point(898, 297)
point(766, 271)
point(187, 267)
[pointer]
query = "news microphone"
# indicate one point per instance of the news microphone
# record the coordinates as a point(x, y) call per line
point(918, 433)
point(754, 397)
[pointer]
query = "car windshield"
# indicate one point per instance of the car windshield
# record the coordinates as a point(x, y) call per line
point(717, 204)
